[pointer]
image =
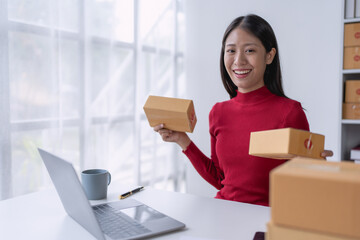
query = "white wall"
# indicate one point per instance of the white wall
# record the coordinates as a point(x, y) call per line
point(309, 35)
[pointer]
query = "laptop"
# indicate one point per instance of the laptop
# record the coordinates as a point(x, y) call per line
point(123, 219)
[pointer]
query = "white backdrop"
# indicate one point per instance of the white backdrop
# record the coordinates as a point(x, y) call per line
point(309, 35)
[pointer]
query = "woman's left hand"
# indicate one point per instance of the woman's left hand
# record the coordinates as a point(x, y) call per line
point(326, 153)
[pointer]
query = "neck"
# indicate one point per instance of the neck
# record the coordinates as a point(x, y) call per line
point(246, 90)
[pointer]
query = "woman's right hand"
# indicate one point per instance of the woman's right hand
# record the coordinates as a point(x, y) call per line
point(167, 135)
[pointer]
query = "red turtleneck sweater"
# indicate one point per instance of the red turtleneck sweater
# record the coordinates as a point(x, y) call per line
point(237, 175)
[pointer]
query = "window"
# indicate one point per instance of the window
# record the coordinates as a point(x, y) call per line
point(74, 77)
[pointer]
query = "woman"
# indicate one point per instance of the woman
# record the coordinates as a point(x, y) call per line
point(251, 74)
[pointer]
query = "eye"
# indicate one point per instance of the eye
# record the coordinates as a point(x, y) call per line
point(230, 50)
point(250, 50)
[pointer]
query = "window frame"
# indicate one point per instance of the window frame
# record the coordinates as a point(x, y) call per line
point(84, 120)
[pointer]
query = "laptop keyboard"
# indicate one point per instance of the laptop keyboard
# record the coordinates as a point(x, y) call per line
point(116, 224)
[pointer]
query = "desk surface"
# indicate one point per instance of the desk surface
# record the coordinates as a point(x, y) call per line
point(40, 215)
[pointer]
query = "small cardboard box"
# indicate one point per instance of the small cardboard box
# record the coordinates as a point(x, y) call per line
point(276, 232)
point(177, 114)
point(351, 57)
point(351, 34)
point(286, 143)
point(317, 195)
point(352, 91)
point(351, 110)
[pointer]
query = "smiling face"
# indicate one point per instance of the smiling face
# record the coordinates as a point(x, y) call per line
point(245, 60)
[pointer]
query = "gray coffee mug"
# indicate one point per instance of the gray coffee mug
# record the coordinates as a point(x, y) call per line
point(95, 183)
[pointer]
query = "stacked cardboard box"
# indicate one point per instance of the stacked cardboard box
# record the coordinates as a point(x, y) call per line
point(314, 200)
point(351, 107)
point(351, 46)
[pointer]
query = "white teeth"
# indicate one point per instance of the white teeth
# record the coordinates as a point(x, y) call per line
point(242, 72)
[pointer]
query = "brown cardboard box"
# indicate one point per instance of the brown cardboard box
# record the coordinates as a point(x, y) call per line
point(286, 143)
point(351, 110)
point(351, 34)
point(317, 195)
point(352, 91)
point(351, 57)
point(276, 232)
point(177, 114)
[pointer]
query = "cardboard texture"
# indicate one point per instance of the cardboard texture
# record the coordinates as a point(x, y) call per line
point(351, 57)
point(352, 91)
point(177, 114)
point(286, 143)
point(351, 34)
point(317, 195)
point(276, 232)
point(351, 111)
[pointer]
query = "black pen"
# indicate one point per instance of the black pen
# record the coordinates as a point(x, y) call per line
point(125, 195)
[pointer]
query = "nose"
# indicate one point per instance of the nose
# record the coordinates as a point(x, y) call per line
point(239, 59)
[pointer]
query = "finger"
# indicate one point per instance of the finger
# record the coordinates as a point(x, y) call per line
point(158, 127)
point(327, 153)
point(330, 153)
point(164, 130)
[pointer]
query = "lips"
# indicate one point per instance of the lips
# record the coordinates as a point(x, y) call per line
point(241, 73)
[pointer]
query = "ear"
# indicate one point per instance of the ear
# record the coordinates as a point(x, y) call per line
point(270, 56)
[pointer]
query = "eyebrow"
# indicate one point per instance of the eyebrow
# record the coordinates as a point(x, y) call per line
point(246, 44)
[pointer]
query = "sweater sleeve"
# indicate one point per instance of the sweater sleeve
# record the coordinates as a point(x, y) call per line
point(296, 118)
point(208, 168)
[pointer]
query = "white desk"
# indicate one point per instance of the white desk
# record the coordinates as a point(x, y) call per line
point(41, 216)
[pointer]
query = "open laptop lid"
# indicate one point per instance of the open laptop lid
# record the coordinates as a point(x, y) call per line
point(71, 193)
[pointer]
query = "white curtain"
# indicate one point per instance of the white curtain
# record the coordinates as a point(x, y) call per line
point(74, 77)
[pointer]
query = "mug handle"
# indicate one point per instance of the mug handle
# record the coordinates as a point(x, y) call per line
point(109, 175)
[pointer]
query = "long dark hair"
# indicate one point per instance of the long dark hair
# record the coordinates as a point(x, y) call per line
point(261, 29)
